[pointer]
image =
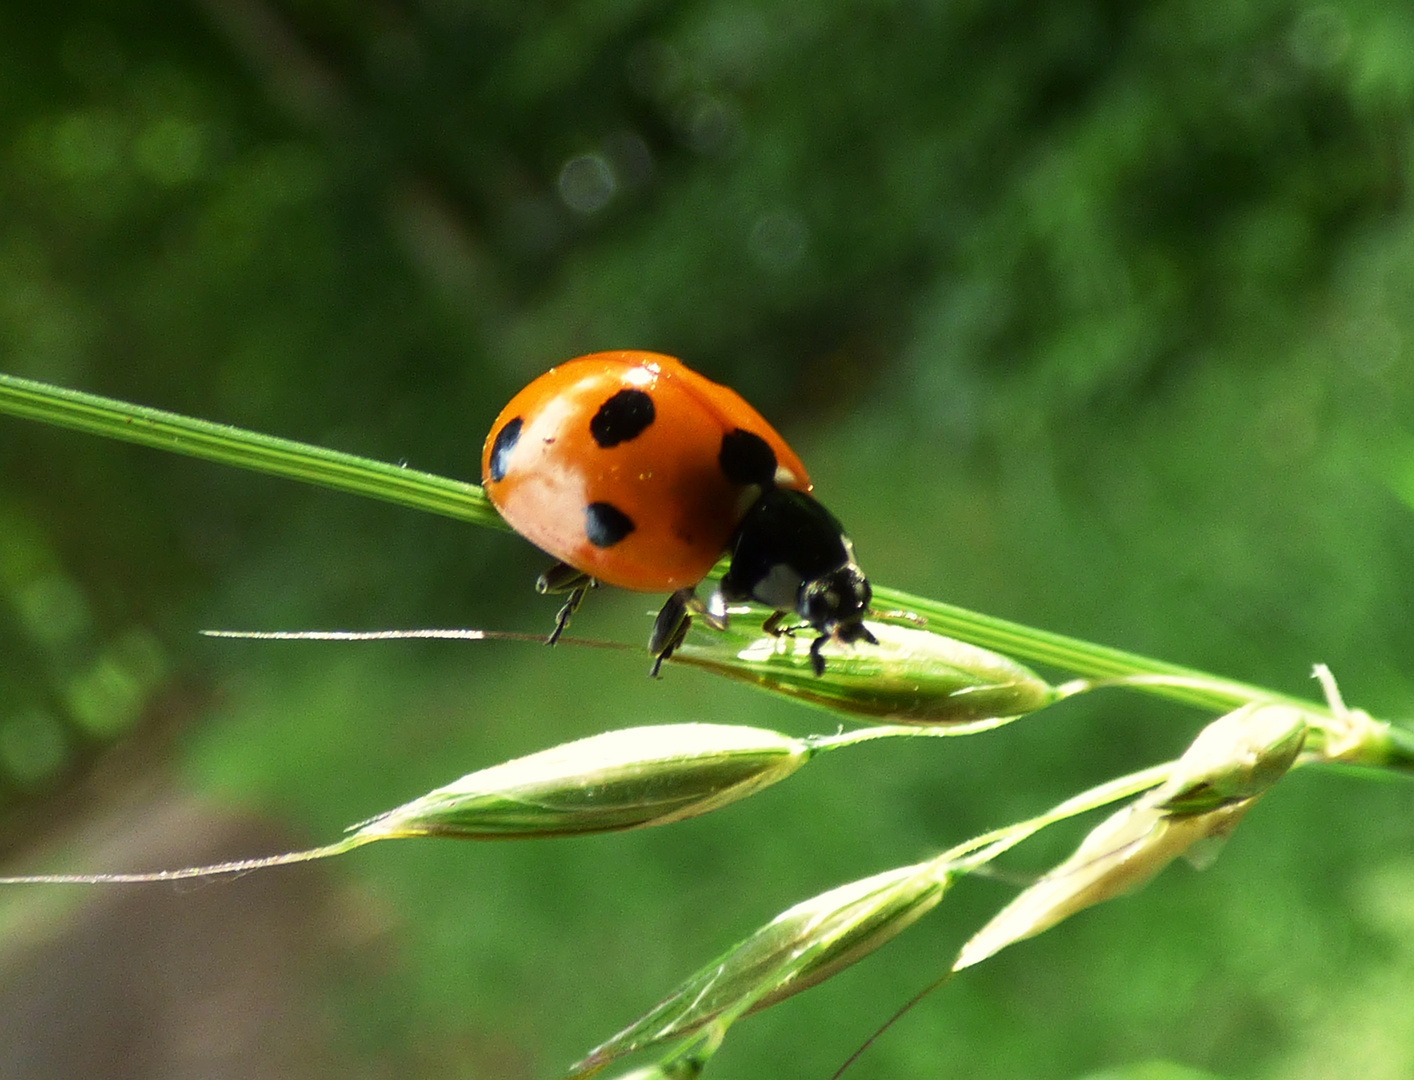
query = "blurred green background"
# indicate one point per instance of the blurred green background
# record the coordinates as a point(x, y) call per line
point(1095, 315)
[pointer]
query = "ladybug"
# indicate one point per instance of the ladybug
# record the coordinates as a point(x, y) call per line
point(635, 471)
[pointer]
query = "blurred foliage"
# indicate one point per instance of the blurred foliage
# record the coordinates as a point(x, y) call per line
point(1093, 315)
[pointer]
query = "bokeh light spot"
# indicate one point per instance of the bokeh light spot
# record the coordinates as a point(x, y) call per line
point(53, 610)
point(710, 125)
point(104, 700)
point(587, 184)
point(778, 240)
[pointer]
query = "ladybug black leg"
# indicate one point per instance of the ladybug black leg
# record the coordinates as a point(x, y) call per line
point(847, 633)
point(772, 625)
point(671, 626)
point(562, 618)
point(562, 578)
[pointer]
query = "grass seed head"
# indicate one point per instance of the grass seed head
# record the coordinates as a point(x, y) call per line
point(618, 780)
point(1223, 772)
point(911, 676)
point(1121, 854)
point(1238, 756)
point(800, 947)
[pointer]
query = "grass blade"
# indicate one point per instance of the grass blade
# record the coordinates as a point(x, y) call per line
point(229, 445)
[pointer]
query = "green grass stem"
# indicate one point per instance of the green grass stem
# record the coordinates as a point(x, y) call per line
point(230, 445)
point(413, 488)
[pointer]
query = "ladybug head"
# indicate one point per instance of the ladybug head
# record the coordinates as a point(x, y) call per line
point(835, 604)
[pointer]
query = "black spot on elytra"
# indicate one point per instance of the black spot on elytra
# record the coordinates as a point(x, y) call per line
point(505, 442)
point(746, 458)
point(605, 524)
point(623, 417)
